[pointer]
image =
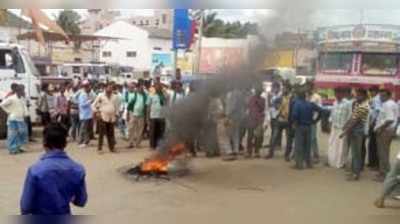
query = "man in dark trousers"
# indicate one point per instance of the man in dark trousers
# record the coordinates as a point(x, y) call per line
point(55, 180)
point(355, 131)
point(282, 124)
point(375, 107)
point(303, 113)
point(107, 104)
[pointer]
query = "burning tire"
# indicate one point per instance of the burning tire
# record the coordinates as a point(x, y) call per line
point(3, 124)
point(162, 165)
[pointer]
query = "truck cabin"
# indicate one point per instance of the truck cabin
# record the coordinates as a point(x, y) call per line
point(359, 56)
point(11, 60)
point(359, 63)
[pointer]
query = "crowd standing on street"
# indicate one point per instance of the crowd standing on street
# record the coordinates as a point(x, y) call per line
point(362, 125)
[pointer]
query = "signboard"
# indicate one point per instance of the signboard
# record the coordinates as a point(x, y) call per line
point(332, 81)
point(376, 47)
point(215, 60)
point(161, 63)
point(373, 33)
point(185, 63)
point(182, 29)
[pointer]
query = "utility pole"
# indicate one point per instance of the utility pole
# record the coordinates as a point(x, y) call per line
point(198, 16)
point(199, 46)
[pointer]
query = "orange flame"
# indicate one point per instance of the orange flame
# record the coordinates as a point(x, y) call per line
point(159, 162)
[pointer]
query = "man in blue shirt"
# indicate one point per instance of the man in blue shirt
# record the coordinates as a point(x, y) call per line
point(303, 118)
point(85, 115)
point(375, 107)
point(55, 180)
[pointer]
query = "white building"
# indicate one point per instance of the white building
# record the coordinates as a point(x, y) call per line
point(162, 19)
point(97, 20)
point(136, 46)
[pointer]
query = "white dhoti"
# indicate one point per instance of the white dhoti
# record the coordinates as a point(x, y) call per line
point(336, 148)
point(223, 134)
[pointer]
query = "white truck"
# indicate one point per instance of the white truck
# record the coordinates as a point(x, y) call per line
point(16, 66)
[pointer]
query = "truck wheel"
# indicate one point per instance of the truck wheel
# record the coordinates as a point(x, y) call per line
point(3, 124)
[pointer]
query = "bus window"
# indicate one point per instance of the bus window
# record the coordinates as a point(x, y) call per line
point(336, 62)
point(379, 64)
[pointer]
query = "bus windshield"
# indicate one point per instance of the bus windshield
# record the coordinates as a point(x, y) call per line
point(379, 64)
point(336, 62)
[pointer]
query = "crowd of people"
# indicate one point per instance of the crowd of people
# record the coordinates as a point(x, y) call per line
point(362, 123)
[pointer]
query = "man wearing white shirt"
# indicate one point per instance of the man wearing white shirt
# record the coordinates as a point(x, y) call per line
point(315, 98)
point(392, 183)
point(274, 99)
point(340, 114)
point(107, 105)
point(385, 127)
point(375, 104)
point(177, 93)
point(17, 133)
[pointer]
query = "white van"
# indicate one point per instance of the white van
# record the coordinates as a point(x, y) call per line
point(16, 66)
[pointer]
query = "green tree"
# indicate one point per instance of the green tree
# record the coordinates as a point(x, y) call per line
point(69, 20)
point(215, 27)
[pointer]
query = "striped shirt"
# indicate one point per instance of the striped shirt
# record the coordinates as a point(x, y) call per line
point(360, 115)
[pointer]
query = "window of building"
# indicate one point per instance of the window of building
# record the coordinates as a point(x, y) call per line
point(76, 69)
point(157, 48)
point(131, 54)
point(147, 22)
point(164, 18)
point(107, 54)
point(77, 59)
point(99, 27)
point(157, 22)
point(141, 22)
point(134, 22)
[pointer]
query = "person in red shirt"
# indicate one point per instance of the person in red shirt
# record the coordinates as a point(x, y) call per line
point(255, 137)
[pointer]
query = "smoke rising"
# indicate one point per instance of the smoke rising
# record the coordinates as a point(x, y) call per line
point(187, 118)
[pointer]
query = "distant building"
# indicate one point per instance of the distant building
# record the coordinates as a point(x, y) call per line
point(11, 26)
point(97, 20)
point(49, 57)
point(139, 47)
point(292, 50)
point(162, 19)
point(219, 54)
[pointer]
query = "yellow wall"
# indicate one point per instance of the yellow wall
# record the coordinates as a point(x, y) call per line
point(280, 58)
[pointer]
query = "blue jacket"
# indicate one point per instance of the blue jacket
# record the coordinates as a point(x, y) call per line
point(303, 112)
point(52, 184)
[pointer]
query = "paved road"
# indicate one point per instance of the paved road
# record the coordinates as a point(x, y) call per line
point(216, 192)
